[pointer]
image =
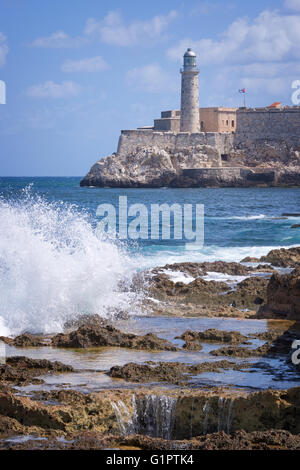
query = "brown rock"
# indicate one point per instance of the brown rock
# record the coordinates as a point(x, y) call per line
point(88, 337)
point(283, 296)
point(248, 293)
point(22, 370)
point(284, 258)
point(169, 372)
point(250, 259)
point(193, 339)
point(25, 340)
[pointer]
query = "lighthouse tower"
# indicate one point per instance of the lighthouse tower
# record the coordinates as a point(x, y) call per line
point(189, 118)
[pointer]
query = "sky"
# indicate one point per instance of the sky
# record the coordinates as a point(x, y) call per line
point(79, 71)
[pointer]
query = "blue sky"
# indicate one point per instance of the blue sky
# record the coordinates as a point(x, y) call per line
point(79, 71)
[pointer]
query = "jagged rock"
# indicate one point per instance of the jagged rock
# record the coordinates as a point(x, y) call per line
point(196, 166)
point(23, 370)
point(193, 338)
point(197, 412)
point(250, 293)
point(284, 258)
point(271, 440)
point(88, 337)
point(250, 259)
point(148, 167)
point(283, 296)
point(276, 344)
point(170, 372)
point(24, 341)
point(295, 226)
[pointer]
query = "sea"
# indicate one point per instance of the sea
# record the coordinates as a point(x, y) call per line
point(54, 265)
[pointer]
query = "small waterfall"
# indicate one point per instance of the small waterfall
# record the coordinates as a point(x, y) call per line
point(219, 420)
point(225, 406)
point(155, 415)
point(229, 416)
point(192, 417)
point(152, 415)
point(206, 409)
point(124, 418)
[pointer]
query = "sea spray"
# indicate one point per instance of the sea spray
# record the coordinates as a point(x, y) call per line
point(53, 267)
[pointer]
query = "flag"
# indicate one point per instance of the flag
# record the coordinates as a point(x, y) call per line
point(243, 90)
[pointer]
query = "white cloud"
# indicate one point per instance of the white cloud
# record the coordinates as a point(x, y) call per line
point(59, 39)
point(292, 4)
point(92, 64)
point(50, 89)
point(113, 30)
point(208, 7)
point(151, 78)
point(260, 54)
point(3, 49)
point(269, 37)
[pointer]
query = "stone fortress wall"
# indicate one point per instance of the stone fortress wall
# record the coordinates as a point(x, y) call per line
point(252, 125)
point(267, 124)
point(172, 141)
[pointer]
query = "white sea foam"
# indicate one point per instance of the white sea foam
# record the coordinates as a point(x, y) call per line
point(208, 253)
point(221, 277)
point(248, 217)
point(53, 267)
point(178, 276)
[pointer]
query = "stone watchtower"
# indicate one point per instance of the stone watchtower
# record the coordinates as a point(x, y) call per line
point(189, 117)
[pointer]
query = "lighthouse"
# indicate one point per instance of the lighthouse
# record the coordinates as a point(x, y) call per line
point(189, 117)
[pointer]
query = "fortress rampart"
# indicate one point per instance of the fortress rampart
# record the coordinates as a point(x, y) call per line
point(268, 124)
point(131, 139)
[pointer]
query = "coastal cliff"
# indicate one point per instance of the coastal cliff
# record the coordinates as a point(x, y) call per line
point(272, 163)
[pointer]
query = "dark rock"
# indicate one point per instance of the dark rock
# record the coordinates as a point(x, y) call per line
point(169, 372)
point(284, 258)
point(23, 370)
point(25, 340)
point(193, 339)
point(239, 440)
point(291, 215)
point(96, 336)
point(283, 296)
point(250, 259)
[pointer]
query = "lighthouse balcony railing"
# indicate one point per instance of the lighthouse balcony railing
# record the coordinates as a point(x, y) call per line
point(189, 69)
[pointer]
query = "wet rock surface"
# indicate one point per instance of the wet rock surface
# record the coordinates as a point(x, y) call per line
point(250, 293)
point(176, 409)
point(173, 415)
point(170, 372)
point(268, 440)
point(283, 296)
point(96, 336)
point(25, 340)
point(284, 258)
point(276, 344)
point(193, 339)
point(20, 370)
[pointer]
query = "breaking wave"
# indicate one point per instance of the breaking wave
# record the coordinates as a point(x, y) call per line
point(53, 266)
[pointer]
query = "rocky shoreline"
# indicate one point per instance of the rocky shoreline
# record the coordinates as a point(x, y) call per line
point(199, 166)
point(159, 404)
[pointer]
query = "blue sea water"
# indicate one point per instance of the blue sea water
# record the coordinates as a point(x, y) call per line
point(235, 219)
point(52, 265)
